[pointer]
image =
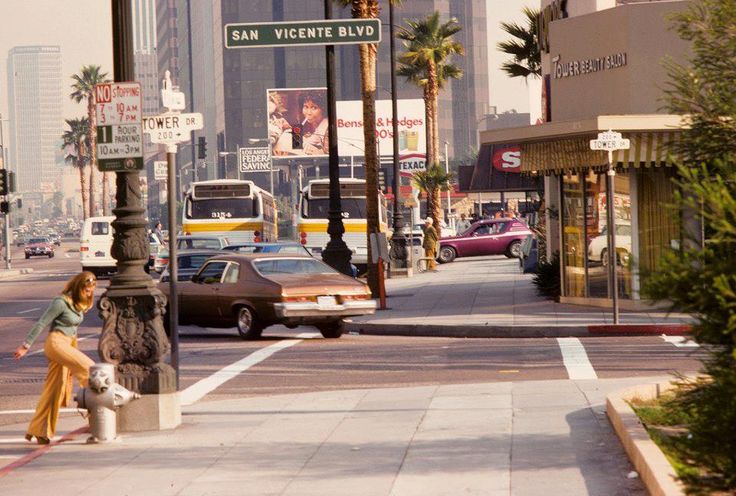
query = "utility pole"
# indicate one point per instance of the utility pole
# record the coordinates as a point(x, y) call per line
point(4, 165)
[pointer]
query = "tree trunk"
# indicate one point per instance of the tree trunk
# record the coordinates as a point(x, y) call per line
point(429, 126)
point(83, 187)
point(92, 136)
point(432, 93)
point(366, 9)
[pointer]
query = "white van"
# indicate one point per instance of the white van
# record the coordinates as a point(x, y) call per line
point(95, 245)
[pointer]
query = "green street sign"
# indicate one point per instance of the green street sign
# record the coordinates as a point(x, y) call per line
point(302, 33)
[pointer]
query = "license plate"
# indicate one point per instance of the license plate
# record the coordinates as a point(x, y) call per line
point(100, 254)
point(326, 300)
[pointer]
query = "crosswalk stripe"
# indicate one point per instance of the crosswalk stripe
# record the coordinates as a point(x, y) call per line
point(576, 359)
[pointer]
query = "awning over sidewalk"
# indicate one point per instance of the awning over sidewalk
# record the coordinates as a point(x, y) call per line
point(557, 147)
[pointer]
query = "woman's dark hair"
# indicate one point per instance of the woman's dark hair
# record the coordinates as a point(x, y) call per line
point(316, 97)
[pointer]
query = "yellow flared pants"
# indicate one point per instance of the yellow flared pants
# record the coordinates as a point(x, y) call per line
point(65, 361)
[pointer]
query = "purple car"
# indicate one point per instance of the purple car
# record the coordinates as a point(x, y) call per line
point(487, 237)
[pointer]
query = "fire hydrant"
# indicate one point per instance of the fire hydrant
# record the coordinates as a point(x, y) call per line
point(101, 399)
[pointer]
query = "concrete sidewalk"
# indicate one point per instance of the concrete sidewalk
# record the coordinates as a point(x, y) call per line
point(523, 438)
point(490, 297)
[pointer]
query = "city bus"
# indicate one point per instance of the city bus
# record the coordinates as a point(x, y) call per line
point(235, 209)
point(312, 218)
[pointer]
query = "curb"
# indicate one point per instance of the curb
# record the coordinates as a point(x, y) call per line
point(655, 471)
point(14, 272)
point(514, 331)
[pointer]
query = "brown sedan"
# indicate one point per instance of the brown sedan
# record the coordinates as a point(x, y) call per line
point(253, 292)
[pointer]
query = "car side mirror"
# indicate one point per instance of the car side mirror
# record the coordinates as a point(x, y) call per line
point(195, 278)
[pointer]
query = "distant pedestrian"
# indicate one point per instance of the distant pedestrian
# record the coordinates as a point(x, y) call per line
point(430, 244)
point(62, 318)
point(462, 225)
point(158, 231)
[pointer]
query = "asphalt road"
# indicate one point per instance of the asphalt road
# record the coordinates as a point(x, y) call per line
point(314, 363)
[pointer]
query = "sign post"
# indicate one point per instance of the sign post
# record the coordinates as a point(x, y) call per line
point(171, 128)
point(610, 141)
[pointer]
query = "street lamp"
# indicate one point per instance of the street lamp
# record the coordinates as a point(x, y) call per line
point(225, 154)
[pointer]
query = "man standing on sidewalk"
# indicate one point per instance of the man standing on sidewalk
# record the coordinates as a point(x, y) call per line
point(430, 244)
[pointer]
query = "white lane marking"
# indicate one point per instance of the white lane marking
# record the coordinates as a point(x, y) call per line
point(198, 390)
point(66, 255)
point(29, 311)
point(576, 359)
point(680, 341)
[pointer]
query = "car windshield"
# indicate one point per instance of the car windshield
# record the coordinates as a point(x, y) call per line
point(199, 244)
point(292, 266)
point(38, 240)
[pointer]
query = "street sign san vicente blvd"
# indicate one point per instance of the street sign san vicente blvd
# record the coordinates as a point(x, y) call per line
point(302, 33)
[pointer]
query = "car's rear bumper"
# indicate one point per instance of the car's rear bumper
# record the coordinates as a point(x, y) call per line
point(313, 309)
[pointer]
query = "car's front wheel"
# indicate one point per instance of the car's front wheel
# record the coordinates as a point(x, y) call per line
point(331, 330)
point(248, 325)
point(514, 249)
point(447, 254)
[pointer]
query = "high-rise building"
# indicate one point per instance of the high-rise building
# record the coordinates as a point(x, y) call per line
point(35, 111)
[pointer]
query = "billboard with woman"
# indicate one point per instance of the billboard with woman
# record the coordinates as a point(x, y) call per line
point(297, 122)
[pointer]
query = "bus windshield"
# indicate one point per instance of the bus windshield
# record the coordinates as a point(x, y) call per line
point(318, 208)
point(221, 208)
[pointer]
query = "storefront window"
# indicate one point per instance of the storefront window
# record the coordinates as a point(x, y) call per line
point(573, 235)
point(585, 235)
point(658, 224)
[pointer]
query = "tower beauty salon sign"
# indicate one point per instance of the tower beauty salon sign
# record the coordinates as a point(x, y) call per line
point(562, 69)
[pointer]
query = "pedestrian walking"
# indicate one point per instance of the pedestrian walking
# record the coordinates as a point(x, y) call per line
point(430, 244)
point(62, 318)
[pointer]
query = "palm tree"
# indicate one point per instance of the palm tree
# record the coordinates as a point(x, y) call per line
point(432, 181)
point(75, 143)
point(429, 47)
point(84, 89)
point(369, 9)
point(526, 59)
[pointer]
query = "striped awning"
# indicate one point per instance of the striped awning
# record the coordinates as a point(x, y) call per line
point(648, 149)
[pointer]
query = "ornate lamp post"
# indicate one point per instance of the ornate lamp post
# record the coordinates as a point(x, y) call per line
point(133, 336)
point(398, 240)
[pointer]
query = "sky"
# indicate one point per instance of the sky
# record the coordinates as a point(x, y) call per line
point(82, 28)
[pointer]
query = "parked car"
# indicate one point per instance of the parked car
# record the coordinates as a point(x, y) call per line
point(284, 248)
point(39, 247)
point(487, 237)
point(199, 242)
point(252, 292)
point(188, 263)
point(598, 247)
point(55, 238)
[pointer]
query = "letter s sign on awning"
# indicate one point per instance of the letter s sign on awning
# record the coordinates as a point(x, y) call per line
point(507, 159)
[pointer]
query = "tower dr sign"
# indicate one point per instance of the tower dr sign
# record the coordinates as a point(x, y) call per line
point(172, 128)
point(119, 133)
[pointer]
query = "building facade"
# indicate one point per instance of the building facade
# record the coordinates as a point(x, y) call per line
point(603, 68)
point(35, 112)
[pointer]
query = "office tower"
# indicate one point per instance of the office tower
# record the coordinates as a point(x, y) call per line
point(35, 111)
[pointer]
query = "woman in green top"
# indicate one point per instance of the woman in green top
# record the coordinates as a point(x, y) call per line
point(62, 318)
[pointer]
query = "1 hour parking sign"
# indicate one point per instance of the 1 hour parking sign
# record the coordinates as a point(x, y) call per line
point(119, 132)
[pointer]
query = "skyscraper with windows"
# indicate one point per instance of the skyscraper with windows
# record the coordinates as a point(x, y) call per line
point(35, 112)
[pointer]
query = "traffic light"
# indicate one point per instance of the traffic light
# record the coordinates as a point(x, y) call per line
point(202, 147)
point(4, 207)
point(11, 182)
point(296, 137)
point(19, 202)
point(3, 182)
